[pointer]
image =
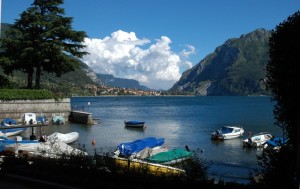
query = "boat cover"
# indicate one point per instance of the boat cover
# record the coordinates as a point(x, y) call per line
point(58, 119)
point(225, 130)
point(171, 155)
point(66, 138)
point(8, 121)
point(276, 142)
point(128, 148)
point(4, 142)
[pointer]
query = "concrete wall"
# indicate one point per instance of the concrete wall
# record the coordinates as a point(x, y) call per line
point(50, 108)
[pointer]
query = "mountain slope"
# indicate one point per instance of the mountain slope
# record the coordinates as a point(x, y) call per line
point(112, 81)
point(235, 68)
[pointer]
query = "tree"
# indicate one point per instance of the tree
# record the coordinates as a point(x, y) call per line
point(283, 80)
point(41, 40)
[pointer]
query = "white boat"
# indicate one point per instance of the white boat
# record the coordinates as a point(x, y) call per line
point(29, 119)
point(257, 140)
point(227, 132)
point(49, 149)
point(12, 131)
point(66, 138)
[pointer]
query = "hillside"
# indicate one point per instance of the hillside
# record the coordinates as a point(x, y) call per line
point(235, 68)
point(112, 81)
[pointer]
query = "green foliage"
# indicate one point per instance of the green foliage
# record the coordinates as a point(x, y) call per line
point(24, 94)
point(41, 41)
point(283, 70)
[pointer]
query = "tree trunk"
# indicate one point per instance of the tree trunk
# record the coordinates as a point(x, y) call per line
point(298, 149)
point(29, 79)
point(38, 77)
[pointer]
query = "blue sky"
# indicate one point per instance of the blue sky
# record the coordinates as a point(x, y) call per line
point(154, 41)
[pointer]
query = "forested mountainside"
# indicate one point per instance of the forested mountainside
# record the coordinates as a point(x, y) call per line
point(235, 68)
point(112, 81)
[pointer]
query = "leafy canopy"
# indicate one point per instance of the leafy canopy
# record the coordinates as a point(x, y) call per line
point(41, 40)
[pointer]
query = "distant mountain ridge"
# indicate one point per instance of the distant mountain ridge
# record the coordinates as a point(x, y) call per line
point(112, 81)
point(235, 68)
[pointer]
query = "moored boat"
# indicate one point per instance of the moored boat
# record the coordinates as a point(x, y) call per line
point(169, 157)
point(11, 131)
point(275, 143)
point(134, 124)
point(128, 149)
point(66, 138)
point(49, 149)
point(227, 132)
point(58, 120)
point(257, 140)
point(29, 118)
point(147, 167)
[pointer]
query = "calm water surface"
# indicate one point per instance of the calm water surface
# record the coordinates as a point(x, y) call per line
point(181, 121)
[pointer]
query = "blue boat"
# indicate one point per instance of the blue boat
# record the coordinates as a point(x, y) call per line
point(129, 148)
point(134, 124)
point(5, 141)
point(275, 143)
point(13, 131)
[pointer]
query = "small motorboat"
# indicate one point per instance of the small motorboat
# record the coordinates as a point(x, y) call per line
point(29, 119)
point(58, 120)
point(12, 131)
point(257, 140)
point(42, 119)
point(227, 132)
point(134, 124)
point(66, 138)
point(275, 143)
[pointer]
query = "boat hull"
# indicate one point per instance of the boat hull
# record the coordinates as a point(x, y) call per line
point(146, 167)
point(258, 140)
point(227, 132)
point(134, 124)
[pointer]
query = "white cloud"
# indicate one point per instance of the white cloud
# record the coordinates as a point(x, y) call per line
point(122, 55)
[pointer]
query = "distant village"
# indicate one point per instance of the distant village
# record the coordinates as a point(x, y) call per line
point(106, 90)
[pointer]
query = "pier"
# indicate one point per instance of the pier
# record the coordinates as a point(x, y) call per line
point(81, 117)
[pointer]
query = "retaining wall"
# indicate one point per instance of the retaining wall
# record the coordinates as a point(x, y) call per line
point(16, 109)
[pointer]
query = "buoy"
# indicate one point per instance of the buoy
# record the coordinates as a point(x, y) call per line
point(93, 142)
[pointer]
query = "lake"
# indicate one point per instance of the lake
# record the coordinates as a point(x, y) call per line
point(181, 120)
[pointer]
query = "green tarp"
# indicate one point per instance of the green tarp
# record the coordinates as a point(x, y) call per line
point(171, 155)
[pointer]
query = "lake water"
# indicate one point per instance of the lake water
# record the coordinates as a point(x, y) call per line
point(181, 120)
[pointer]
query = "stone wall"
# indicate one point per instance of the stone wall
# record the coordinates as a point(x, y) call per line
point(50, 108)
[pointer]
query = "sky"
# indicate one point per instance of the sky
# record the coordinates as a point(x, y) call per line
point(155, 41)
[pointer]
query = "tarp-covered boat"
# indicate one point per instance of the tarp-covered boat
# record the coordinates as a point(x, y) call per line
point(10, 132)
point(129, 148)
point(42, 149)
point(58, 120)
point(275, 143)
point(171, 156)
point(66, 138)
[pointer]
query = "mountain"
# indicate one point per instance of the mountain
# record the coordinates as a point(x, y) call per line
point(112, 81)
point(235, 68)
